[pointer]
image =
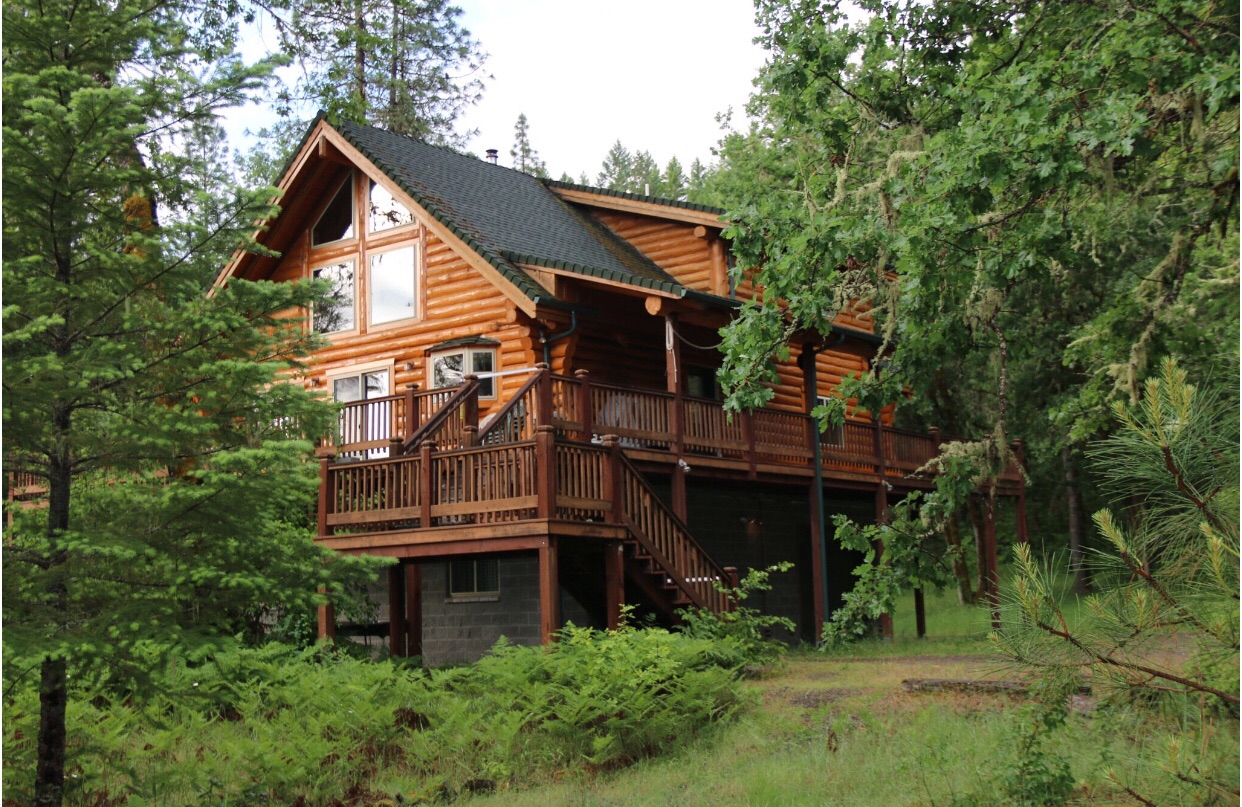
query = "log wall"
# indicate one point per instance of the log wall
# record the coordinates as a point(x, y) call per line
point(454, 299)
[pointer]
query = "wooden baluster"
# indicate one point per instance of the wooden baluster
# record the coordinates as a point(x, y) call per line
point(585, 415)
point(748, 435)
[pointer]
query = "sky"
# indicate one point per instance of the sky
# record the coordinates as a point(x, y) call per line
point(652, 73)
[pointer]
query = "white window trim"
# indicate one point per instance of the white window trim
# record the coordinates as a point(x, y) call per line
point(350, 179)
point(467, 363)
point(416, 245)
point(357, 328)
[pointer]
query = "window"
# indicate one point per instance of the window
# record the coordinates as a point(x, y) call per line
point(448, 369)
point(701, 383)
point(384, 212)
point(369, 422)
point(831, 435)
point(391, 285)
point(336, 223)
point(337, 313)
point(470, 578)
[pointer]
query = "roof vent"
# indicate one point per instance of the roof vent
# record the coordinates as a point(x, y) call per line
point(492, 156)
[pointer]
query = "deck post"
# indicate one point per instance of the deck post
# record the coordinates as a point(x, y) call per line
point(585, 415)
point(396, 610)
point(612, 482)
point(614, 582)
point(672, 374)
point(326, 627)
point(414, 608)
point(920, 614)
point(881, 505)
point(543, 396)
point(819, 572)
point(425, 482)
point(549, 592)
point(993, 572)
point(411, 411)
point(1019, 453)
point(545, 469)
point(748, 434)
point(470, 414)
point(325, 496)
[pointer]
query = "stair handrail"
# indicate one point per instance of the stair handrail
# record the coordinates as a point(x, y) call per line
point(685, 535)
point(433, 424)
point(506, 410)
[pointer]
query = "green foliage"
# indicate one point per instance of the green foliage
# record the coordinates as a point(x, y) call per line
point(1032, 774)
point(525, 157)
point(279, 725)
point(1038, 200)
point(407, 65)
point(1173, 581)
point(742, 633)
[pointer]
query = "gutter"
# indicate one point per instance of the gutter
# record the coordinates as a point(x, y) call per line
point(556, 337)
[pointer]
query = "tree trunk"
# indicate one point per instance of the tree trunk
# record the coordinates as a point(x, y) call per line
point(360, 55)
point(53, 685)
point(1073, 503)
point(961, 570)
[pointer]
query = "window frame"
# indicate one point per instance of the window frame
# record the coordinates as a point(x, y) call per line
point(357, 321)
point(474, 594)
point(414, 244)
point(350, 180)
point(467, 353)
point(366, 218)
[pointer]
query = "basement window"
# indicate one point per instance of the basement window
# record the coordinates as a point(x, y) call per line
point(336, 223)
point(471, 579)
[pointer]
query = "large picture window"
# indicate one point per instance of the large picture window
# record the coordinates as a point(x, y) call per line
point(392, 285)
point(449, 368)
point(336, 314)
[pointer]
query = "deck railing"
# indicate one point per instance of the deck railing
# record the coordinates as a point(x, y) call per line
point(584, 410)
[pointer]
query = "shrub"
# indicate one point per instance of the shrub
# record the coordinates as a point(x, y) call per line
point(741, 635)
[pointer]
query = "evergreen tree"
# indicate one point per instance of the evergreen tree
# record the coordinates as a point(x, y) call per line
point(617, 172)
point(525, 157)
point(404, 65)
point(646, 175)
point(176, 491)
point(673, 182)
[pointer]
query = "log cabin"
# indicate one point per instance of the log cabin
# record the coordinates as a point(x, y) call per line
point(529, 417)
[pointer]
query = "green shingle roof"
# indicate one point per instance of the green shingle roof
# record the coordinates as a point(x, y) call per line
point(637, 197)
point(506, 216)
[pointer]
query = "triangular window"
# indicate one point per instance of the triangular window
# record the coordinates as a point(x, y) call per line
point(337, 221)
point(386, 212)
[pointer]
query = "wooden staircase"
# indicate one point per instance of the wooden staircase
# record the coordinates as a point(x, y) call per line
point(574, 480)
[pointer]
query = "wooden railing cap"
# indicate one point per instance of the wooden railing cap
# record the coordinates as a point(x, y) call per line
point(581, 373)
point(544, 429)
point(543, 365)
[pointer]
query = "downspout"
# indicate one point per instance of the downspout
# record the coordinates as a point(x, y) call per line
point(556, 337)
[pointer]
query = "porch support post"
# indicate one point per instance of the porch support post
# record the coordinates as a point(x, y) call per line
point(549, 592)
point(881, 517)
point(819, 571)
point(396, 610)
point(326, 628)
point(920, 614)
point(545, 470)
point(1020, 508)
point(414, 608)
point(614, 582)
point(989, 543)
point(585, 415)
point(673, 374)
point(881, 505)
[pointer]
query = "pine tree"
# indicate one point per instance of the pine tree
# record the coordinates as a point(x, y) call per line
point(176, 497)
point(525, 157)
point(646, 175)
point(404, 65)
point(617, 172)
point(673, 182)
